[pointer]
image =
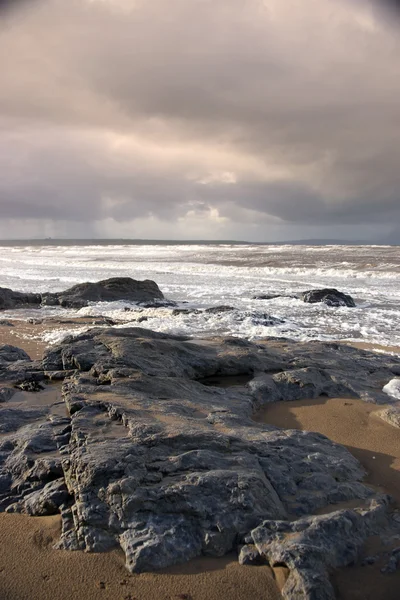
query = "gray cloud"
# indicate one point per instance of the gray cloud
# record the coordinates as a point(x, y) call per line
point(209, 114)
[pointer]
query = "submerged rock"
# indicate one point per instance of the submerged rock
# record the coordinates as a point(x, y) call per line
point(329, 296)
point(152, 460)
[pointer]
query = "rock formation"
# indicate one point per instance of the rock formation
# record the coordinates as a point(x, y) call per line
point(140, 454)
point(116, 288)
point(329, 296)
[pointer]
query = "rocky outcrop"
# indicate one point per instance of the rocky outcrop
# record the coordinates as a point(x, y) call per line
point(116, 288)
point(329, 296)
point(11, 299)
point(151, 460)
point(312, 546)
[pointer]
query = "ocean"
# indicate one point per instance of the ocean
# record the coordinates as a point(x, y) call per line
point(205, 275)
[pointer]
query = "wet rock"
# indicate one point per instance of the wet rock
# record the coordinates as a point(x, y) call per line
point(10, 299)
point(329, 296)
point(116, 288)
point(259, 318)
point(272, 296)
point(5, 323)
point(219, 309)
point(30, 386)
point(185, 311)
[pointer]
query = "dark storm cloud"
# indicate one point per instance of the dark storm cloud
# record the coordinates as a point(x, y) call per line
point(127, 109)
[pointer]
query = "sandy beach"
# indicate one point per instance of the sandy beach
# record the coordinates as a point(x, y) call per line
point(376, 445)
point(31, 568)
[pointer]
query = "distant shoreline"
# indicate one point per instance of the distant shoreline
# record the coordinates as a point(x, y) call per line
point(152, 242)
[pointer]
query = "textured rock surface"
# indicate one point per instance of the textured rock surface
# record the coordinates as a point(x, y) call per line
point(150, 459)
point(391, 415)
point(116, 288)
point(311, 546)
point(329, 296)
point(11, 299)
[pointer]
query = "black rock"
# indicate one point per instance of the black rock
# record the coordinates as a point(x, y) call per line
point(329, 296)
point(11, 299)
point(185, 311)
point(219, 309)
point(5, 323)
point(116, 288)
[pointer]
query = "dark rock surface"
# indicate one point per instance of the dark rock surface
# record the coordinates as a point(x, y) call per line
point(311, 546)
point(116, 288)
point(148, 458)
point(108, 290)
point(11, 299)
point(219, 309)
point(329, 296)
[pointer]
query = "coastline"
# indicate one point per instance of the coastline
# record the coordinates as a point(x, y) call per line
point(29, 567)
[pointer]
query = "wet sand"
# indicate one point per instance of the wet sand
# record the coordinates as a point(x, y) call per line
point(28, 336)
point(376, 445)
point(31, 570)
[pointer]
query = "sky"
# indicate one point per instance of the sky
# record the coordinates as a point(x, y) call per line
point(259, 120)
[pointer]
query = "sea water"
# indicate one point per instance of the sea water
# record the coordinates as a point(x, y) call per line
point(205, 275)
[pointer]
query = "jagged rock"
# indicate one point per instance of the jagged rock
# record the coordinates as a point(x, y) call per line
point(116, 288)
point(329, 296)
point(391, 415)
point(11, 299)
point(30, 386)
point(311, 546)
point(168, 468)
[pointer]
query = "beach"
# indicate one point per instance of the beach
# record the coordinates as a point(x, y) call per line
point(29, 565)
point(31, 568)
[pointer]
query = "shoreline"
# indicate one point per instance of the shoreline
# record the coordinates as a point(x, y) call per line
point(29, 567)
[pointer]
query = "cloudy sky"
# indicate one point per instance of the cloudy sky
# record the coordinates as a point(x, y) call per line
point(209, 119)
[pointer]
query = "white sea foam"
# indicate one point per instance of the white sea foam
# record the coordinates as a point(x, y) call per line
point(392, 388)
point(201, 276)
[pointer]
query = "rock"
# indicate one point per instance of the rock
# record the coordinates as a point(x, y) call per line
point(5, 323)
point(219, 309)
point(185, 311)
point(6, 394)
point(259, 318)
point(167, 468)
point(10, 299)
point(310, 547)
point(272, 296)
point(392, 388)
point(329, 296)
point(117, 288)
point(30, 386)
point(11, 354)
point(391, 415)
